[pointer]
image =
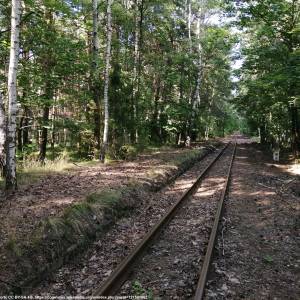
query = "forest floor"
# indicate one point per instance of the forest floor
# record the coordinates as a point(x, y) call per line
point(53, 193)
point(83, 275)
point(22, 212)
point(258, 253)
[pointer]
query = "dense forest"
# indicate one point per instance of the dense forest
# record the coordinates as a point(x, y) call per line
point(97, 79)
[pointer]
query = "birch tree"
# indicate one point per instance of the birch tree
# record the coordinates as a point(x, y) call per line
point(188, 6)
point(199, 49)
point(11, 178)
point(95, 72)
point(106, 81)
point(2, 135)
point(138, 40)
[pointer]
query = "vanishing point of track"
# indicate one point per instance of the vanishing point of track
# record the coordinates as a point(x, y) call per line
point(115, 281)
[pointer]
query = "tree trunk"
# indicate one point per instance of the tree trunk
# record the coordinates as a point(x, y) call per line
point(11, 177)
point(197, 99)
point(263, 136)
point(49, 64)
point(134, 134)
point(44, 136)
point(20, 134)
point(95, 73)
point(155, 134)
point(21, 125)
point(139, 17)
point(53, 130)
point(189, 22)
point(26, 127)
point(45, 122)
point(106, 82)
point(295, 132)
point(2, 136)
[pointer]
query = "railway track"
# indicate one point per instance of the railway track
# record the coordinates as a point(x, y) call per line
point(160, 252)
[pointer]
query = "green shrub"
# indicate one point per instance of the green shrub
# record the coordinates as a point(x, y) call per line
point(128, 152)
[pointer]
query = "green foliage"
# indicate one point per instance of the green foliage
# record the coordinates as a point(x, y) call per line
point(58, 238)
point(13, 247)
point(269, 78)
point(138, 290)
point(128, 152)
point(268, 259)
point(106, 197)
point(152, 82)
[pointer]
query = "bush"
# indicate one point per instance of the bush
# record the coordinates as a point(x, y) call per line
point(128, 152)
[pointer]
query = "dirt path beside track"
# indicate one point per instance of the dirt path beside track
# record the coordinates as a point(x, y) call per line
point(258, 254)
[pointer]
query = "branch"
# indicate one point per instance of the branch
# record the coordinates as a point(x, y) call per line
point(22, 21)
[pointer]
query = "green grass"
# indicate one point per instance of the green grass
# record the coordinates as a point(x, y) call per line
point(58, 238)
point(268, 259)
point(187, 155)
point(12, 246)
point(139, 290)
point(31, 171)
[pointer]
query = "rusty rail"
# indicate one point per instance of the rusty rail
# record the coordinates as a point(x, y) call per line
point(115, 281)
point(212, 239)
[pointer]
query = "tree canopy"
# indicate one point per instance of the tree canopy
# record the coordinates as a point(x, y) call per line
point(269, 78)
point(168, 74)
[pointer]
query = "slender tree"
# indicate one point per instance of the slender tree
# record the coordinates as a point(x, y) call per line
point(48, 63)
point(139, 8)
point(95, 72)
point(106, 81)
point(2, 135)
point(189, 21)
point(11, 178)
point(199, 48)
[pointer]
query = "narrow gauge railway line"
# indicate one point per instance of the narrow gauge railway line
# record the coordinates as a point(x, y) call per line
point(167, 266)
point(104, 255)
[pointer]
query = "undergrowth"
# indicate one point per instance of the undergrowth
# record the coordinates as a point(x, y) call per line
point(139, 290)
point(56, 239)
point(30, 171)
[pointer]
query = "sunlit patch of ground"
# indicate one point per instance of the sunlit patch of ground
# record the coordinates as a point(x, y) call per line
point(294, 169)
point(180, 186)
point(240, 139)
point(206, 189)
point(258, 254)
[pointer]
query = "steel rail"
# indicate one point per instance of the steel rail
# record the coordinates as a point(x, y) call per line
point(115, 281)
point(212, 239)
